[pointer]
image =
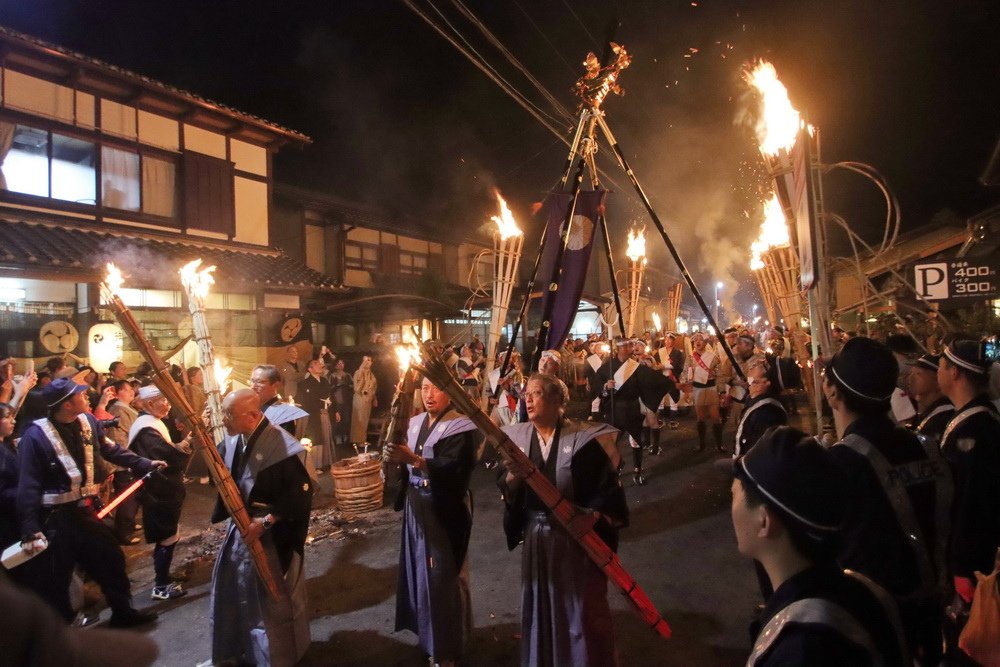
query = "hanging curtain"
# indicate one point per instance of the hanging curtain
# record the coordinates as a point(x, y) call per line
point(6, 141)
point(158, 187)
point(120, 179)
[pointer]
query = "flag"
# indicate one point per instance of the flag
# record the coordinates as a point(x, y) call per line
point(575, 260)
point(291, 328)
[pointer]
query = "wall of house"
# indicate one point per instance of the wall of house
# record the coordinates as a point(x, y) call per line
point(78, 114)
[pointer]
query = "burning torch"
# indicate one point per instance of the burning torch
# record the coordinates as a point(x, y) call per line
point(508, 240)
point(636, 253)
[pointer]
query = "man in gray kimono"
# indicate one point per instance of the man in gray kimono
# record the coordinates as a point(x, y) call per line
point(565, 617)
point(249, 627)
point(432, 597)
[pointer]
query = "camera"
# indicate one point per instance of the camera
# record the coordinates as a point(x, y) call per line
point(108, 423)
point(989, 349)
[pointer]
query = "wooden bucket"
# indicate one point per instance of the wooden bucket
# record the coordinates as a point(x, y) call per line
point(358, 484)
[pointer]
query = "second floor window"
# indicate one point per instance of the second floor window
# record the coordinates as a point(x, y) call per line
point(362, 256)
point(414, 263)
point(44, 163)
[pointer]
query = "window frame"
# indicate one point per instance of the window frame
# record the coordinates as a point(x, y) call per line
point(99, 140)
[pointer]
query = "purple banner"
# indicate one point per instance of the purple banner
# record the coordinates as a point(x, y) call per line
point(575, 260)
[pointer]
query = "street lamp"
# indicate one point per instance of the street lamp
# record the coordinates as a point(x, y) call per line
point(718, 303)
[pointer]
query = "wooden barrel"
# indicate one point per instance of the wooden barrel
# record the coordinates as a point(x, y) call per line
point(358, 484)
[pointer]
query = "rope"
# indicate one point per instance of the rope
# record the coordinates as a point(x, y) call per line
point(472, 18)
point(486, 64)
point(583, 25)
point(546, 38)
point(473, 58)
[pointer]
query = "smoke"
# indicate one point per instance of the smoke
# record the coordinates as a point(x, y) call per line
point(156, 269)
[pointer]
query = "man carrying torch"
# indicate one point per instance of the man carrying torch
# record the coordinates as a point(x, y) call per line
point(248, 625)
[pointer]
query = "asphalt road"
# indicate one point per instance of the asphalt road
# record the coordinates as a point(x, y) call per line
point(680, 547)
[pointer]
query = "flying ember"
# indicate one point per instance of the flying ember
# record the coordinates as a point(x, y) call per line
point(506, 225)
point(779, 122)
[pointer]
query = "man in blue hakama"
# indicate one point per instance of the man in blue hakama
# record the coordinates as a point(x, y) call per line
point(248, 626)
point(565, 617)
point(432, 596)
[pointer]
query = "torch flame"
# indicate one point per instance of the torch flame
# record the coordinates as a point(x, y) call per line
point(656, 321)
point(506, 225)
point(636, 248)
point(222, 374)
point(198, 282)
point(114, 279)
point(779, 122)
point(406, 355)
point(773, 233)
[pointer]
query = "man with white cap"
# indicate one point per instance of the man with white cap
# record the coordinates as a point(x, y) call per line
point(57, 499)
point(971, 442)
point(163, 495)
point(550, 362)
point(899, 494)
point(789, 496)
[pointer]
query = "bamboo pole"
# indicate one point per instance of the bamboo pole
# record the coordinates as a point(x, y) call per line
point(507, 257)
point(224, 483)
point(577, 523)
point(196, 286)
point(673, 305)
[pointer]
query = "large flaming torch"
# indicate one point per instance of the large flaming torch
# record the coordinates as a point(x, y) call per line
point(508, 240)
point(790, 149)
point(197, 283)
point(776, 267)
point(224, 482)
point(636, 253)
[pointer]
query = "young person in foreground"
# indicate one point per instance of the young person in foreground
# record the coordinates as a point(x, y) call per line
point(787, 512)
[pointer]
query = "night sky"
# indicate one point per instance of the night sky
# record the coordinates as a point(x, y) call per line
point(400, 119)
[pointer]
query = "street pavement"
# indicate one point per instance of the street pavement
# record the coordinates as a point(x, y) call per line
point(680, 547)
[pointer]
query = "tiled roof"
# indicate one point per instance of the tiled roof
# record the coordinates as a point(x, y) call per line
point(40, 44)
point(149, 262)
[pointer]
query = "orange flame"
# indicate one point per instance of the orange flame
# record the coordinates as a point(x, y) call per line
point(195, 281)
point(779, 122)
point(656, 321)
point(406, 355)
point(222, 374)
point(114, 279)
point(773, 233)
point(636, 248)
point(506, 225)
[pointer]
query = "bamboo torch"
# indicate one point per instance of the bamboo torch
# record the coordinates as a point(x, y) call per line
point(224, 483)
point(196, 284)
point(508, 240)
point(578, 524)
point(636, 253)
point(674, 303)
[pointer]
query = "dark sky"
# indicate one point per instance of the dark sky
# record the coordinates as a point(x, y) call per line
point(400, 119)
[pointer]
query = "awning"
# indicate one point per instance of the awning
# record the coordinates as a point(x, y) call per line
point(385, 307)
point(52, 248)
